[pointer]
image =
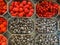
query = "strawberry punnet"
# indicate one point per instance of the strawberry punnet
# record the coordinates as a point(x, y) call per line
point(21, 9)
point(3, 25)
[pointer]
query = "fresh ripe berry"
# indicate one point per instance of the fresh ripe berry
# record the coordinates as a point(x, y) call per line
point(3, 29)
point(16, 3)
point(26, 10)
point(14, 15)
point(27, 6)
point(24, 2)
point(15, 9)
point(1, 0)
point(21, 14)
point(32, 10)
point(11, 12)
point(20, 9)
point(21, 5)
point(3, 11)
point(5, 7)
point(29, 3)
point(29, 14)
point(5, 23)
point(30, 7)
point(1, 25)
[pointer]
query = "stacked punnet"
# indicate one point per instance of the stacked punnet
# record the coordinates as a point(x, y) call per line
point(22, 8)
point(46, 9)
point(3, 25)
point(3, 7)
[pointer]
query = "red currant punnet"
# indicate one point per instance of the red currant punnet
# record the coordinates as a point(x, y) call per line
point(46, 9)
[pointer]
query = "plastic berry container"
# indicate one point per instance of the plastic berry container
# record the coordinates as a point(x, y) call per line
point(3, 25)
point(46, 39)
point(21, 39)
point(46, 9)
point(21, 8)
point(3, 40)
point(45, 25)
point(3, 7)
point(20, 26)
